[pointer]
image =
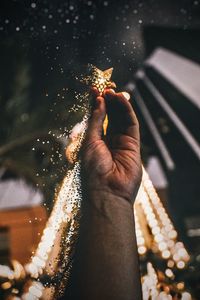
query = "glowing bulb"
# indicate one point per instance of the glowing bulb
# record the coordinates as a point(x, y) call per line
point(186, 296)
point(172, 234)
point(166, 254)
point(176, 257)
point(158, 237)
point(162, 246)
point(155, 230)
point(170, 263)
point(6, 285)
point(180, 285)
point(182, 252)
point(169, 273)
point(140, 241)
point(180, 264)
point(142, 250)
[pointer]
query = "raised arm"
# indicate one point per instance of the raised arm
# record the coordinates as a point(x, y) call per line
point(106, 260)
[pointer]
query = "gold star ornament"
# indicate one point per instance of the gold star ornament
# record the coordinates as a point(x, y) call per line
point(99, 79)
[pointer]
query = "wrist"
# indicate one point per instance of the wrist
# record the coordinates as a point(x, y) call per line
point(126, 191)
point(106, 202)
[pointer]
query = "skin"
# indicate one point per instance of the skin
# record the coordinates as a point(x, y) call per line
point(106, 260)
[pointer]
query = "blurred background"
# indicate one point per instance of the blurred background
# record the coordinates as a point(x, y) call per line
point(154, 47)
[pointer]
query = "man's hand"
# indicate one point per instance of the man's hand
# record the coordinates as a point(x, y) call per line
point(112, 163)
point(106, 259)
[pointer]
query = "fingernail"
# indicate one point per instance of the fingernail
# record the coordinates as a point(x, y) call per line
point(126, 95)
point(109, 90)
point(113, 85)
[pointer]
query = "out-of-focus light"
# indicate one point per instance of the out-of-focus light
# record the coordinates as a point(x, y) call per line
point(172, 234)
point(169, 273)
point(6, 285)
point(140, 241)
point(155, 230)
point(176, 257)
point(180, 285)
point(158, 237)
point(166, 254)
point(186, 296)
point(180, 264)
point(170, 263)
point(142, 250)
point(162, 246)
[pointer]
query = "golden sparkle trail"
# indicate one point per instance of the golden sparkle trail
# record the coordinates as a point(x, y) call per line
point(54, 253)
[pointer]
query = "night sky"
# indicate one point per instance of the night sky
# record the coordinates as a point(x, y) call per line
point(58, 37)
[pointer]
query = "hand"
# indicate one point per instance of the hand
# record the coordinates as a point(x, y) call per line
point(112, 163)
point(106, 260)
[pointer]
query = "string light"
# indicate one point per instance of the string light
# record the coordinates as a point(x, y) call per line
point(139, 236)
point(66, 214)
point(35, 291)
point(149, 283)
point(162, 229)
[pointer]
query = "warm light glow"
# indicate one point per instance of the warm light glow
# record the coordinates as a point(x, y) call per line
point(180, 264)
point(180, 285)
point(169, 273)
point(170, 263)
point(166, 254)
point(161, 227)
point(6, 285)
point(186, 296)
point(142, 250)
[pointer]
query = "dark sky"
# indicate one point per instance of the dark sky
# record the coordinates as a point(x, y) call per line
point(58, 36)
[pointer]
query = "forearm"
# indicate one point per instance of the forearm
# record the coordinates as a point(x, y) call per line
point(106, 260)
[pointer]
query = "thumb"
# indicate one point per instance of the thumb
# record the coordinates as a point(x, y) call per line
point(95, 124)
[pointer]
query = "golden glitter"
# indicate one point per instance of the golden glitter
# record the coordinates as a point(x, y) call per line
point(54, 255)
point(99, 79)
